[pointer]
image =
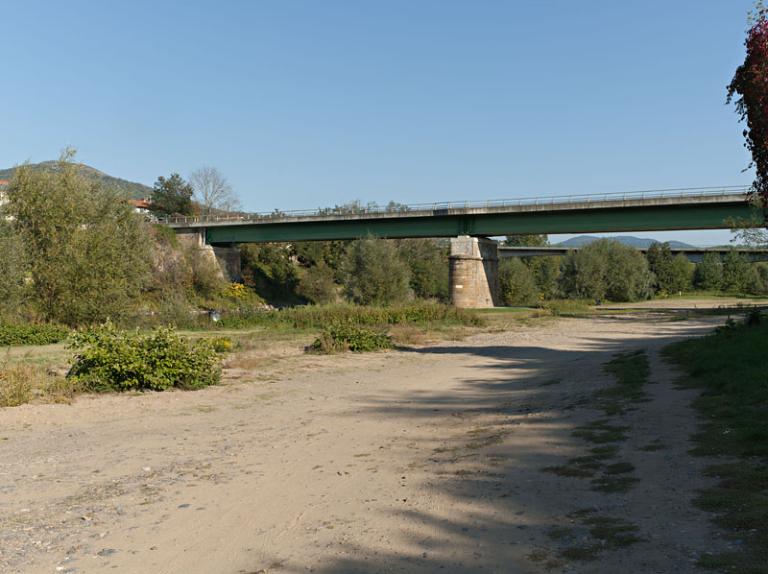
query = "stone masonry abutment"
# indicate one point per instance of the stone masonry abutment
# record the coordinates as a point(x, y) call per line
point(225, 257)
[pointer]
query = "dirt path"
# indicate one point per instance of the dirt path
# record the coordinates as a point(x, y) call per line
point(422, 461)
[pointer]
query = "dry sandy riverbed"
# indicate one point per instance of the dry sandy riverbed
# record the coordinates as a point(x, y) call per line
point(419, 461)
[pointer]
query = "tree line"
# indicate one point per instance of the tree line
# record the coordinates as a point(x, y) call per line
point(609, 270)
point(73, 251)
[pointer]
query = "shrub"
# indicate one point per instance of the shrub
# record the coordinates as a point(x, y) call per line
point(344, 337)
point(110, 359)
point(31, 334)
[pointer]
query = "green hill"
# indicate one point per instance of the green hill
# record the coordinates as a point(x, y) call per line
point(130, 188)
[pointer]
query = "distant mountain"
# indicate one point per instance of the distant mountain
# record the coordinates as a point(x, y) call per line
point(130, 188)
point(636, 242)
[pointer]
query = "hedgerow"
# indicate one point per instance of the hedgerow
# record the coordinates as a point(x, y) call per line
point(31, 334)
point(320, 316)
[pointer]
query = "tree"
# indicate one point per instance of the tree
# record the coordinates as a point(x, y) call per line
point(374, 273)
point(750, 83)
point(526, 240)
point(606, 269)
point(735, 272)
point(212, 191)
point(546, 274)
point(709, 273)
point(317, 284)
point(758, 279)
point(269, 269)
point(517, 284)
point(428, 263)
point(88, 251)
point(12, 269)
point(172, 196)
point(331, 253)
point(681, 274)
point(660, 262)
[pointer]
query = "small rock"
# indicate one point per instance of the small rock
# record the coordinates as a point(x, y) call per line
point(106, 552)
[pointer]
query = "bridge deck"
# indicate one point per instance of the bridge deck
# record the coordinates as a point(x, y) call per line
point(642, 211)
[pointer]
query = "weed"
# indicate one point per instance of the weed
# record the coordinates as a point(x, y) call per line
point(22, 383)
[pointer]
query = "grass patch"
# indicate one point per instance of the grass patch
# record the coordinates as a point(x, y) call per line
point(612, 484)
point(613, 532)
point(605, 533)
point(653, 446)
point(730, 366)
point(631, 371)
point(601, 431)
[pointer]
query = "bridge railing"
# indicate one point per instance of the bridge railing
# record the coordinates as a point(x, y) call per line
point(441, 207)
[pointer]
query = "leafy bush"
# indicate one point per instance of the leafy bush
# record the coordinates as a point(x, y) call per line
point(344, 337)
point(31, 334)
point(110, 359)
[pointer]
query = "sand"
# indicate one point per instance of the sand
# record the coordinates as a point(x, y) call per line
point(425, 460)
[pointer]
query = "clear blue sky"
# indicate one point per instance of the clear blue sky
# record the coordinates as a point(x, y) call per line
point(306, 103)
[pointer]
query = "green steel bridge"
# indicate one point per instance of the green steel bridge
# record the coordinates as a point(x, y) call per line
point(660, 210)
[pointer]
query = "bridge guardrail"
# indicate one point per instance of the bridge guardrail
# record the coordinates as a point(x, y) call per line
point(445, 207)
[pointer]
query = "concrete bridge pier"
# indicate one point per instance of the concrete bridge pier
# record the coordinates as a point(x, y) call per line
point(474, 272)
point(225, 257)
